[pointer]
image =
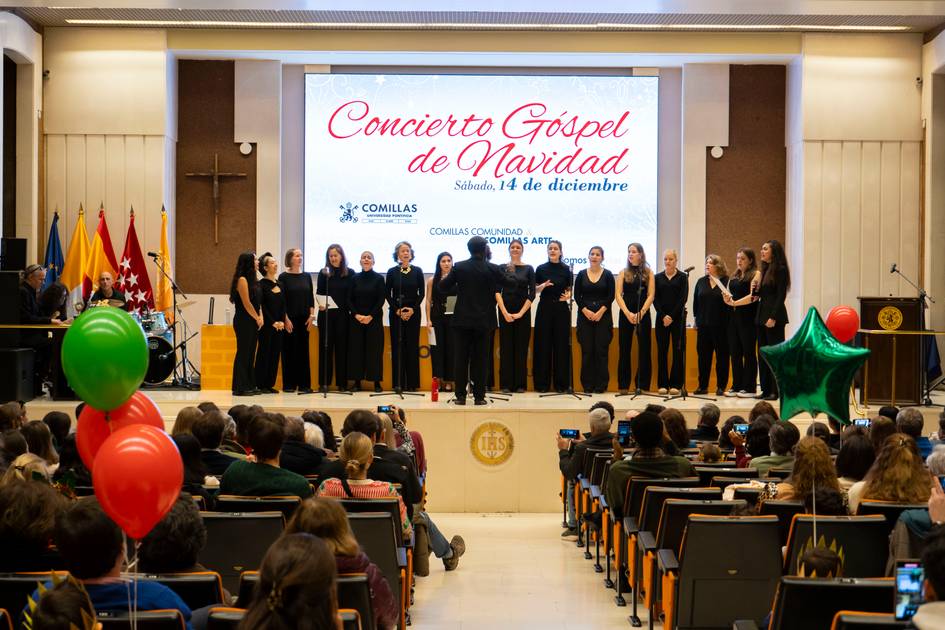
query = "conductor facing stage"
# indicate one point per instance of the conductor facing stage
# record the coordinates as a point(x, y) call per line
point(476, 281)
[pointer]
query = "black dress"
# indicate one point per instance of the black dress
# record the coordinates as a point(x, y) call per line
point(442, 354)
point(671, 296)
point(405, 289)
point(551, 354)
point(270, 339)
point(333, 328)
point(743, 337)
point(299, 302)
point(366, 341)
point(635, 294)
point(711, 314)
point(594, 337)
point(772, 295)
point(247, 334)
point(518, 287)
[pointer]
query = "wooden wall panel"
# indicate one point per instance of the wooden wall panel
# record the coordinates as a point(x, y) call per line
point(909, 216)
point(870, 261)
point(888, 246)
point(830, 212)
point(850, 249)
point(812, 235)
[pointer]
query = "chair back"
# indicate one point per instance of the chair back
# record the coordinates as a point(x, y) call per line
point(142, 620)
point(861, 541)
point(15, 589)
point(599, 465)
point(889, 509)
point(373, 532)
point(785, 511)
point(707, 473)
point(675, 516)
point(389, 506)
point(196, 589)
point(234, 503)
point(587, 464)
point(724, 482)
point(636, 486)
point(225, 618)
point(849, 620)
point(350, 619)
point(84, 491)
point(780, 473)
point(6, 622)
point(813, 602)
point(248, 582)
point(655, 496)
point(354, 593)
point(735, 560)
point(748, 495)
point(237, 542)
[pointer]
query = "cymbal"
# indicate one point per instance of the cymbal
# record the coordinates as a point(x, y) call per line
point(114, 302)
point(186, 303)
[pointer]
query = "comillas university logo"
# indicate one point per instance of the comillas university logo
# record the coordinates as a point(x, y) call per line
point(347, 213)
point(379, 212)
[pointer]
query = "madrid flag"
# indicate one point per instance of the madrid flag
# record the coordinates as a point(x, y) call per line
point(133, 278)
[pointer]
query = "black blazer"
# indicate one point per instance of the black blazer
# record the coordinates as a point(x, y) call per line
point(216, 462)
point(771, 304)
point(476, 281)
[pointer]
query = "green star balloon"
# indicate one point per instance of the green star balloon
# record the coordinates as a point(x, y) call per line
point(814, 370)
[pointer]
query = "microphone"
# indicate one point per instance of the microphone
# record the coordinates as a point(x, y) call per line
point(154, 255)
point(893, 268)
point(688, 269)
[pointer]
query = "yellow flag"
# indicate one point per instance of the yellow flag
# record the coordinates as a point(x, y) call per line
point(164, 298)
point(73, 272)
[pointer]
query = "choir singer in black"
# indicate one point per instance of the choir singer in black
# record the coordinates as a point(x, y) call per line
point(476, 281)
point(515, 298)
point(247, 320)
point(335, 282)
point(672, 292)
point(551, 357)
point(405, 292)
point(771, 317)
point(439, 320)
point(637, 290)
point(273, 330)
point(594, 294)
point(711, 314)
point(366, 338)
point(299, 314)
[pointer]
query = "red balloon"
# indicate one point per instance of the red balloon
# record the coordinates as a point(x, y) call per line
point(137, 476)
point(95, 426)
point(843, 322)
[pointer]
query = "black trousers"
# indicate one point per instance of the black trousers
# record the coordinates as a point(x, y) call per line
point(625, 335)
point(409, 376)
point(513, 352)
point(296, 370)
point(742, 342)
point(668, 339)
point(768, 337)
point(712, 340)
point(551, 356)
point(244, 379)
point(442, 355)
point(471, 353)
point(267, 356)
point(365, 350)
point(333, 351)
point(595, 338)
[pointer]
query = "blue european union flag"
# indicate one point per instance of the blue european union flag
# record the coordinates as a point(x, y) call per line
point(54, 259)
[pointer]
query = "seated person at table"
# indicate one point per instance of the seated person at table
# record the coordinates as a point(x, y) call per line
point(648, 460)
point(208, 429)
point(107, 293)
point(264, 477)
point(707, 428)
point(92, 548)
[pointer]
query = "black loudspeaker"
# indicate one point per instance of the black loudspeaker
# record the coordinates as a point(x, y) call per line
point(12, 254)
point(9, 308)
point(16, 374)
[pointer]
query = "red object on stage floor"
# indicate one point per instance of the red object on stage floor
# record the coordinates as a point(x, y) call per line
point(843, 322)
point(95, 426)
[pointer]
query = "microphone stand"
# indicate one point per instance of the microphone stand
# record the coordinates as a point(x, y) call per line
point(570, 391)
point(323, 359)
point(681, 345)
point(925, 298)
point(399, 387)
point(185, 380)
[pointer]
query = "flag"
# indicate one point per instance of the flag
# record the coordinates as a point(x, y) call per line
point(164, 300)
point(73, 272)
point(101, 254)
point(53, 262)
point(133, 278)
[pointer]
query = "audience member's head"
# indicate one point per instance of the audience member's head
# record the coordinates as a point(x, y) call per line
point(898, 474)
point(11, 415)
point(933, 561)
point(39, 441)
point(709, 415)
point(60, 425)
point(314, 436)
point(176, 541)
point(855, 457)
point(26, 467)
point(890, 412)
point(63, 607)
point(599, 421)
point(676, 429)
point(910, 422)
point(207, 405)
point(28, 513)
point(819, 562)
point(825, 502)
point(208, 429)
point(762, 408)
point(606, 406)
point(69, 458)
point(194, 469)
point(782, 437)
point(936, 460)
point(294, 429)
point(89, 542)
point(296, 586)
point(243, 415)
point(819, 430)
point(654, 408)
point(326, 518)
point(880, 429)
point(357, 453)
point(185, 420)
point(813, 468)
point(229, 431)
point(647, 430)
point(941, 425)
point(388, 436)
point(757, 442)
point(361, 421)
point(266, 434)
point(323, 421)
point(710, 453)
point(724, 440)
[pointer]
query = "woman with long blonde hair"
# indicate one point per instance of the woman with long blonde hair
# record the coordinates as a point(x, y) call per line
point(635, 292)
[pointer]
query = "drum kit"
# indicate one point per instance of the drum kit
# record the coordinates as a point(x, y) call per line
point(160, 338)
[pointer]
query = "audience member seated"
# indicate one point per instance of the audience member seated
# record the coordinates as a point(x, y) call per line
point(66, 605)
point(782, 437)
point(72, 471)
point(939, 436)
point(675, 425)
point(175, 542)
point(28, 513)
point(400, 437)
point(855, 457)
point(648, 460)
point(326, 518)
point(725, 440)
point(196, 480)
point(296, 587)
point(14, 445)
point(881, 428)
point(826, 502)
point(936, 461)
point(60, 425)
point(762, 408)
point(323, 421)
point(229, 445)
point(755, 442)
point(26, 467)
point(931, 615)
point(890, 412)
point(815, 562)
point(821, 431)
point(707, 427)
point(208, 405)
point(39, 441)
point(263, 476)
point(243, 415)
point(813, 470)
point(571, 454)
point(208, 430)
point(710, 453)
point(314, 436)
point(897, 475)
point(12, 415)
point(92, 548)
point(185, 420)
point(911, 422)
point(297, 456)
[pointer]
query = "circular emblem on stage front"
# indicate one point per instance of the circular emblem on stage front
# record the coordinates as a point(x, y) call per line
point(491, 443)
point(890, 318)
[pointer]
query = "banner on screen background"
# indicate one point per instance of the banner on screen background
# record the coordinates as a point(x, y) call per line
point(437, 159)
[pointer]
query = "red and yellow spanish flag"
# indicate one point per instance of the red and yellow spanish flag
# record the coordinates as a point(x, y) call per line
point(77, 259)
point(101, 255)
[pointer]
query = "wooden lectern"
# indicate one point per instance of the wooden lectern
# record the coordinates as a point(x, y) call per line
point(892, 374)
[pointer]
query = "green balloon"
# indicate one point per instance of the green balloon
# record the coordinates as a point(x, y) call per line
point(105, 357)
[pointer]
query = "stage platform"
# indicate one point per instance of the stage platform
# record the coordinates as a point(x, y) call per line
point(495, 458)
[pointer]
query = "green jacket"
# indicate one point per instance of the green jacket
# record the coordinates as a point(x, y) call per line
point(261, 480)
point(652, 467)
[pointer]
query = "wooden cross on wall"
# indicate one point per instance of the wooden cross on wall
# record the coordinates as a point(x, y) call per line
point(215, 175)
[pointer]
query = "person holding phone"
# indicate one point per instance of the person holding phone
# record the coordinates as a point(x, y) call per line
point(708, 307)
point(571, 455)
point(772, 287)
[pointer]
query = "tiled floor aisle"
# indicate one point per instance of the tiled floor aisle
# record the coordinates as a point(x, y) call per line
point(517, 573)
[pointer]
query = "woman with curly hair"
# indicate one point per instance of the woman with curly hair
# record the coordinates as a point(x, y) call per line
point(813, 469)
point(675, 425)
point(897, 475)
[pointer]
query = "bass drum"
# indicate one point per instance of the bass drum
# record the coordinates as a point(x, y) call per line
point(161, 360)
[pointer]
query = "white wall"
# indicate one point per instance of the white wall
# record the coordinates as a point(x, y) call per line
point(933, 115)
